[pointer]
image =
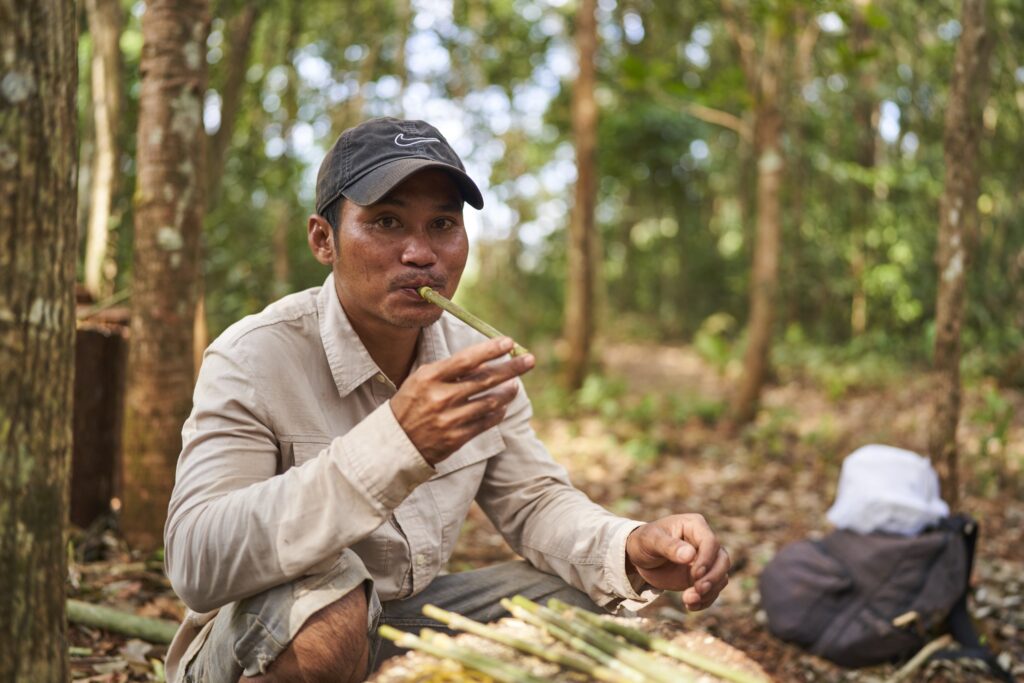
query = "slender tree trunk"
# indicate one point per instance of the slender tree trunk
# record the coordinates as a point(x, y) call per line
point(580, 276)
point(765, 271)
point(958, 227)
point(283, 224)
point(168, 219)
point(864, 108)
point(38, 235)
point(240, 34)
point(763, 79)
point(242, 28)
point(404, 12)
point(105, 28)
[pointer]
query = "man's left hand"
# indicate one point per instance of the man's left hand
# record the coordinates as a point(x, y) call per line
point(680, 553)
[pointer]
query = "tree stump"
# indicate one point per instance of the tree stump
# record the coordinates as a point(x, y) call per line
point(101, 353)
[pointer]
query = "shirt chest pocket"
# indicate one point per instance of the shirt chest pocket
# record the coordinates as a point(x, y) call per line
point(297, 452)
point(478, 450)
point(454, 487)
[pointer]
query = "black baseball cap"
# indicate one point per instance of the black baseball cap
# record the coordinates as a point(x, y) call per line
point(368, 161)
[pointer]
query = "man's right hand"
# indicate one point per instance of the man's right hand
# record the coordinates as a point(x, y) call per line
point(443, 405)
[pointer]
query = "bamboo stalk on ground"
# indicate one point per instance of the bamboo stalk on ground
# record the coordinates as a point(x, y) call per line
point(638, 659)
point(569, 660)
point(607, 660)
point(430, 643)
point(661, 645)
point(152, 630)
point(466, 317)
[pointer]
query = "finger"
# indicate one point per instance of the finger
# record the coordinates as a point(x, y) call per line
point(714, 581)
point(657, 545)
point(470, 358)
point(481, 404)
point(481, 424)
point(697, 532)
point(494, 374)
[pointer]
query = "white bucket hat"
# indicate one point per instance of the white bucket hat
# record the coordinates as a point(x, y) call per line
point(887, 489)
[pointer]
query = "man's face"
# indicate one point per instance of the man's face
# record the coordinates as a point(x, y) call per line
point(414, 236)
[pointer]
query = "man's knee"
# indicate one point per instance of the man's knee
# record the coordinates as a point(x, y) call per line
point(331, 646)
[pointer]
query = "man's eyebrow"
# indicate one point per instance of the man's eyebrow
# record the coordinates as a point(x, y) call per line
point(450, 205)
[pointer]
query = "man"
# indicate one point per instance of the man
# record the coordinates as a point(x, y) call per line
point(339, 437)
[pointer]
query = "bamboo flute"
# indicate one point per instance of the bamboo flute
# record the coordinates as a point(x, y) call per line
point(465, 316)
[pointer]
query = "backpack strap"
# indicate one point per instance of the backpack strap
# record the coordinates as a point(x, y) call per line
point(961, 627)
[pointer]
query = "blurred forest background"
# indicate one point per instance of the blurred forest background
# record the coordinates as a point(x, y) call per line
point(716, 222)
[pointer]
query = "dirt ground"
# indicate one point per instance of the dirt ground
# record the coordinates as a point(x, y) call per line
point(646, 447)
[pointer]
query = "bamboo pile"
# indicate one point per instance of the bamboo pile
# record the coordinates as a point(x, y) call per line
point(556, 642)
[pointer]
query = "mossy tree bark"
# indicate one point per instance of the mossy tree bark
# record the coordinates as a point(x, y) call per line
point(168, 217)
point(38, 200)
point(580, 275)
point(958, 229)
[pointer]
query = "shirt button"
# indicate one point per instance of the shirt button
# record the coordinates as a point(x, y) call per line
point(380, 378)
point(421, 560)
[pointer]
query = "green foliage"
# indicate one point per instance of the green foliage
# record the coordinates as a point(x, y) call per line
point(676, 192)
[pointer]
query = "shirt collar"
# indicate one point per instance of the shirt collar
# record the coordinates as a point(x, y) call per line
point(350, 362)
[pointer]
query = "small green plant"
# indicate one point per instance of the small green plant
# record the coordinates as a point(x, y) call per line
point(713, 340)
point(601, 394)
point(642, 449)
point(994, 416)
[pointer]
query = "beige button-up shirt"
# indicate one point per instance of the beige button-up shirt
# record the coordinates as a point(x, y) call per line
point(292, 454)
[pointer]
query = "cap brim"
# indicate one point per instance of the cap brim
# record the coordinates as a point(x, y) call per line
point(372, 187)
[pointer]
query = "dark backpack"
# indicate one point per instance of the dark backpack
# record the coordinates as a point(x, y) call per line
point(838, 597)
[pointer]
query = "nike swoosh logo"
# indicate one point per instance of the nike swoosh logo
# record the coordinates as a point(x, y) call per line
point(403, 141)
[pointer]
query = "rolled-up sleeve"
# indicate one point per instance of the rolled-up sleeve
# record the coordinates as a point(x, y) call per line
point(236, 527)
point(530, 500)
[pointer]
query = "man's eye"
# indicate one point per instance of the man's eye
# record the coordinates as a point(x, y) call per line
point(444, 224)
point(388, 222)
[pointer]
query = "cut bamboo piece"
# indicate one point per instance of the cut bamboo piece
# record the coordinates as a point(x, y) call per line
point(636, 658)
point(578, 644)
point(570, 660)
point(430, 643)
point(663, 646)
point(151, 630)
point(465, 316)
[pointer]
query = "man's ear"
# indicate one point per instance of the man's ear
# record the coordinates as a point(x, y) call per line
point(320, 237)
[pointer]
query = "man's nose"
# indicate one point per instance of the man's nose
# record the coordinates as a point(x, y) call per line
point(418, 251)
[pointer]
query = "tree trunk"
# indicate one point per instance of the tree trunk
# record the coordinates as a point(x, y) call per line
point(105, 29)
point(168, 218)
point(239, 42)
point(763, 77)
point(864, 108)
point(765, 271)
point(580, 276)
point(38, 231)
point(958, 227)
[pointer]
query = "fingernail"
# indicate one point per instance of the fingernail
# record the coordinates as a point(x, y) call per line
point(506, 344)
point(529, 361)
point(705, 586)
point(700, 571)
